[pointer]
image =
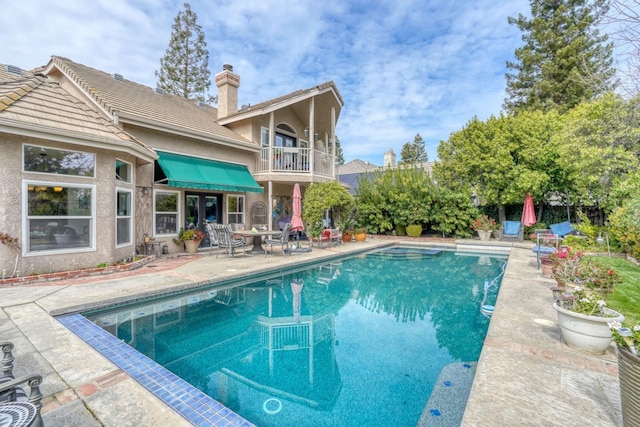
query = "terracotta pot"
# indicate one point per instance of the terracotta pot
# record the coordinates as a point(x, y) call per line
point(629, 376)
point(346, 237)
point(546, 267)
point(586, 333)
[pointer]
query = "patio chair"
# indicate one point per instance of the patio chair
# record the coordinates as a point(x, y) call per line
point(562, 229)
point(546, 244)
point(512, 230)
point(281, 240)
point(11, 389)
point(213, 236)
point(226, 240)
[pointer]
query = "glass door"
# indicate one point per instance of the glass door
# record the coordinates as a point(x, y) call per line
point(200, 209)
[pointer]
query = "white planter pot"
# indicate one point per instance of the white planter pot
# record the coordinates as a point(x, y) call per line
point(192, 246)
point(484, 235)
point(586, 333)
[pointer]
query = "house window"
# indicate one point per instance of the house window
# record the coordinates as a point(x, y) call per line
point(235, 209)
point(123, 217)
point(60, 217)
point(165, 209)
point(264, 139)
point(123, 171)
point(56, 161)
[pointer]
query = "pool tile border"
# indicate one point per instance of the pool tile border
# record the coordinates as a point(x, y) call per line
point(194, 405)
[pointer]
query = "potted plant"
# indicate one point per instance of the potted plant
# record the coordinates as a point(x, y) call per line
point(191, 238)
point(346, 227)
point(484, 225)
point(361, 234)
point(627, 344)
point(584, 320)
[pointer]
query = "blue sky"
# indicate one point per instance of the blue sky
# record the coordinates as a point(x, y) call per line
point(402, 66)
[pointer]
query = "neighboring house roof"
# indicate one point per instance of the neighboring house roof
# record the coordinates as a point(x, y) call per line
point(357, 166)
point(142, 106)
point(32, 105)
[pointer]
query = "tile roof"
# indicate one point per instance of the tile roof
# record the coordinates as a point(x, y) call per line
point(30, 101)
point(135, 101)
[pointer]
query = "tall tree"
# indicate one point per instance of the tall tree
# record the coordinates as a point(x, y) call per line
point(413, 152)
point(624, 19)
point(339, 152)
point(184, 67)
point(564, 60)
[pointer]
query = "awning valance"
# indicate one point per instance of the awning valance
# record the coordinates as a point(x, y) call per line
point(203, 174)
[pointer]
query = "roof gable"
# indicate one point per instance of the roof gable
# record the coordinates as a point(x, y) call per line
point(143, 106)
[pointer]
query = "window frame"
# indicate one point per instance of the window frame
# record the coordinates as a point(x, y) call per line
point(177, 212)
point(130, 167)
point(44, 172)
point(130, 216)
point(26, 218)
point(242, 213)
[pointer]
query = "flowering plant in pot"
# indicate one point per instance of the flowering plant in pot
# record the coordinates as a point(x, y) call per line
point(584, 320)
point(484, 225)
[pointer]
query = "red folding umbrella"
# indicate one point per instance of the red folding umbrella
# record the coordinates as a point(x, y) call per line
point(528, 212)
point(296, 219)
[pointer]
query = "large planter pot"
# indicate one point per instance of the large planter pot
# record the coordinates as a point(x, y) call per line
point(546, 266)
point(192, 246)
point(629, 375)
point(586, 333)
point(414, 230)
point(346, 237)
point(361, 237)
point(484, 234)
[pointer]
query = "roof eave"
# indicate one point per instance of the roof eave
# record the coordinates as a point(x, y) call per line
point(250, 113)
point(203, 136)
point(76, 138)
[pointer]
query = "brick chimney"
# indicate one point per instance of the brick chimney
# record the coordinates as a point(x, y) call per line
point(228, 83)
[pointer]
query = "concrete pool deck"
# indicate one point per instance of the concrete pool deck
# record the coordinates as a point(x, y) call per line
point(526, 375)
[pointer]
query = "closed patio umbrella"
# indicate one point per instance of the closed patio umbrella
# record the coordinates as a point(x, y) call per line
point(296, 219)
point(528, 212)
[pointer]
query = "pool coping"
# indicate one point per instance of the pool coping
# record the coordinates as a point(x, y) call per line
point(67, 373)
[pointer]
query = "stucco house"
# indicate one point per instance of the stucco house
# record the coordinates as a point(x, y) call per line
point(94, 163)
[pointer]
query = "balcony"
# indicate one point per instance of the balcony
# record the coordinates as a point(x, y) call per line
point(295, 161)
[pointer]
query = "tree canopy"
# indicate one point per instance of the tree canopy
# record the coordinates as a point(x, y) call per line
point(564, 59)
point(184, 67)
point(413, 152)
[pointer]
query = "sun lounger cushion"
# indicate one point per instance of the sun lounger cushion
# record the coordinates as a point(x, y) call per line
point(511, 228)
point(561, 229)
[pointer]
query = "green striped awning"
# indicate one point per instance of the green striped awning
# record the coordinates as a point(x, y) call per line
point(203, 174)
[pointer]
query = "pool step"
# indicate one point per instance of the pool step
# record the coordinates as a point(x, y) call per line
point(449, 396)
point(406, 253)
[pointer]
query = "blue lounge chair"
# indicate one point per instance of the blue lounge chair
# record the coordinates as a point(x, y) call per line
point(512, 230)
point(562, 229)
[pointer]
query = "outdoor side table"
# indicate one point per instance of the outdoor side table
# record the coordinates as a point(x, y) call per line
point(150, 246)
point(18, 414)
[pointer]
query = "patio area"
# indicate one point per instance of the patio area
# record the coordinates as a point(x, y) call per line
point(525, 376)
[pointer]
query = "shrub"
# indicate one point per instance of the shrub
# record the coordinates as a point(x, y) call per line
point(414, 230)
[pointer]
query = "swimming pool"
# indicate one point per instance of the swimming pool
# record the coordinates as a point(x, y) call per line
point(359, 341)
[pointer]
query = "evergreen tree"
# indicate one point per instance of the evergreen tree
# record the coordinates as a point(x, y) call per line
point(339, 153)
point(564, 60)
point(184, 68)
point(413, 152)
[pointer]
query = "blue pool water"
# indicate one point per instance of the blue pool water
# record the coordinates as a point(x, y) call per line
point(358, 341)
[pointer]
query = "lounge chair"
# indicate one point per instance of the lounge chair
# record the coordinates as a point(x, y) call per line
point(11, 388)
point(281, 240)
point(562, 229)
point(512, 230)
point(226, 240)
point(546, 244)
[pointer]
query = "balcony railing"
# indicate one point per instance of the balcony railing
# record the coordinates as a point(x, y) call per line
point(295, 160)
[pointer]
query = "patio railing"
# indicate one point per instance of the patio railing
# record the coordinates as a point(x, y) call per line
point(294, 160)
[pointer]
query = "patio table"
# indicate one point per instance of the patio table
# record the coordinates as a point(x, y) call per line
point(257, 248)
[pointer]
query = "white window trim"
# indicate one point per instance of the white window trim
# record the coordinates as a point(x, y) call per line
point(25, 210)
point(244, 214)
point(178, 207)
point(131, 216)
point(131, 172)
point(95, 163)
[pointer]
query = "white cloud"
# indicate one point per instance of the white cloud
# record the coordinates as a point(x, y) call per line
point(402, 67)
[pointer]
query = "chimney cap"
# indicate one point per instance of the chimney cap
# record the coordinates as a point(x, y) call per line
point(227, 67)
